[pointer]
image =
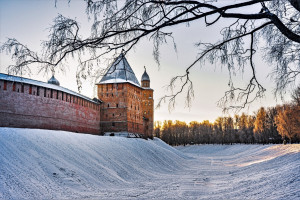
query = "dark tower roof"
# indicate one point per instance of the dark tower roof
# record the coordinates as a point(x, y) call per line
point(53, 80)
point(145, 76)
point(120, 72)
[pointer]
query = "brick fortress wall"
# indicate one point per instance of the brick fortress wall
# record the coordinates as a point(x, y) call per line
point(31, 106)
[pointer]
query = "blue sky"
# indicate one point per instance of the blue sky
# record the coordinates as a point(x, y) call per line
point(28, 20)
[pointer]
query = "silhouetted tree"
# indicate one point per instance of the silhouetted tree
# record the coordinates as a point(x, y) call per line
point(157, 129)
point(121, 25)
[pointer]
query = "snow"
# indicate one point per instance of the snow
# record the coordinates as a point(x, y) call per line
point(46, 164)
point(118, 80)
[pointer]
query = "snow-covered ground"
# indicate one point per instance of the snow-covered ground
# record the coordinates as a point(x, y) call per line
point(44, 164)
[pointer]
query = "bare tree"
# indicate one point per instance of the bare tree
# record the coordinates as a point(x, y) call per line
point(296, 96)
point(121, 25)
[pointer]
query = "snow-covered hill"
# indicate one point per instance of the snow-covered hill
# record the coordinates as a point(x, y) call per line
point(44, 164)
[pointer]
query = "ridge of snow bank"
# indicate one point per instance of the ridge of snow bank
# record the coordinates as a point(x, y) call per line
point(49, 164)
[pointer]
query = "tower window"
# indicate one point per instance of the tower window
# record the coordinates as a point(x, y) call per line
point(108, 105)
point(5, 85)
point(14, 86)
point(117, 105)
point(30, 89)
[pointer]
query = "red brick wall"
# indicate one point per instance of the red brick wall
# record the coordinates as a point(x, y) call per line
point(148, 110)
point(44, 109)
point(121, 108)
point(134, 111)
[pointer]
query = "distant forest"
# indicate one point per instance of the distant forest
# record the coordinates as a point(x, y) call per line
point(268, 125)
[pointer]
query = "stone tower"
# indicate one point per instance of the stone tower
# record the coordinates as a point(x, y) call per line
point(121, 94)
point(147, 104)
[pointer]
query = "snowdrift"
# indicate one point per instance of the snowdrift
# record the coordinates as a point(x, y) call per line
point(46, 164)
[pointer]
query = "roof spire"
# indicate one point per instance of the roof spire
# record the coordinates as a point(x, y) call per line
point(53, 80)
point(145, 76)
point(119, 72)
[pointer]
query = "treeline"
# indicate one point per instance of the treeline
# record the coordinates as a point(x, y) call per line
point(267, 125)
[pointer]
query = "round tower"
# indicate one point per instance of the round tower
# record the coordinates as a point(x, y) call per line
point(147, 105)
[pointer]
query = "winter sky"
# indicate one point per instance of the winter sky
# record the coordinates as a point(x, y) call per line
point(28, 20)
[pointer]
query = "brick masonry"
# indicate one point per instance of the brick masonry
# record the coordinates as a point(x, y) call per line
point(31, 106)
point(121, 110)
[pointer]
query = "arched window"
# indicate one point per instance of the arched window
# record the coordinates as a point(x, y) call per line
point(108, 105)
point(117, 105)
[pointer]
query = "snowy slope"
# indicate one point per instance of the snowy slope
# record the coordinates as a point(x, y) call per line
point(246, 171)
point(57, 164)
point(44, 164)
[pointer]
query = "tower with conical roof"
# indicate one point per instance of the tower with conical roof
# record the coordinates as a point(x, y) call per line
point(147, 104)
point(121, 94)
